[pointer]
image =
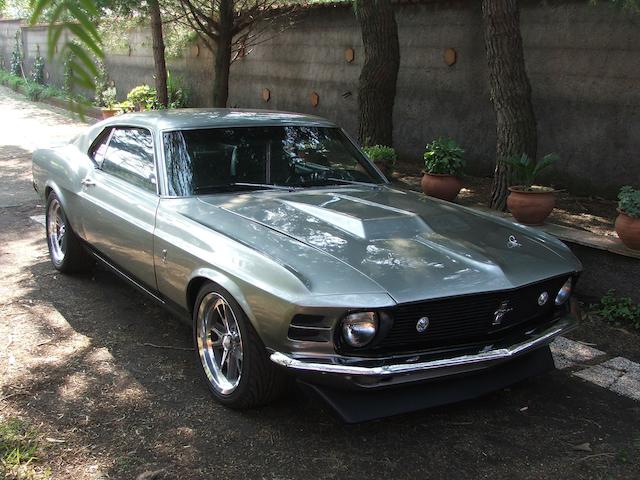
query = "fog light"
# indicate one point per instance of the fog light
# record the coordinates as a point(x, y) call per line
point(358, 329)
point(564, 293)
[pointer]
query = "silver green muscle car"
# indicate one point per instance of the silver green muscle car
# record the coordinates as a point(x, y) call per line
point(289, 252)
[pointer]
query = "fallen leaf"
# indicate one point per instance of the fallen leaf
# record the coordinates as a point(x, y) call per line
point(55, 440)
point(583, 447)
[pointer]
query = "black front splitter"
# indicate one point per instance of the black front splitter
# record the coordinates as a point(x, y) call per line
point(354, 406)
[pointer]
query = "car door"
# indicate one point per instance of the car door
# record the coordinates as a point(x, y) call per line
point(120, 201)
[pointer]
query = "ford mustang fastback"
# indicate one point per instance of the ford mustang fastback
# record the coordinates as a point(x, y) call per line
point(290, 254)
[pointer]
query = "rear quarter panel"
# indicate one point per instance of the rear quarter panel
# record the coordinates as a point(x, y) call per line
point(61, 169)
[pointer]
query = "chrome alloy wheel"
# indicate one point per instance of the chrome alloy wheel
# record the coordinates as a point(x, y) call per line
point(56, 231)
point(219, 343)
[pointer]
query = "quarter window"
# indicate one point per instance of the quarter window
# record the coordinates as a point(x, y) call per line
point(99, 147)
point(129, 156)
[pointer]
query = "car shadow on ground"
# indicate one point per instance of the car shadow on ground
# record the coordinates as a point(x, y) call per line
point(115, 372)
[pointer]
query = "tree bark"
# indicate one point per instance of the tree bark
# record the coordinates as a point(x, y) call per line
point(222, 62)
point(379, 74)
point(510, 92)
point(158, 53)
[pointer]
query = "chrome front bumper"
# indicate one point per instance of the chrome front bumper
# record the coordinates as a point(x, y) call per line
point(396, 373)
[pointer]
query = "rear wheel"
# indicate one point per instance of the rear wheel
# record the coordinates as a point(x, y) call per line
point(230, 354)
point(65, 249)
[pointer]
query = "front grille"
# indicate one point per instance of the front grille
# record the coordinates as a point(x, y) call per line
point(468, 319)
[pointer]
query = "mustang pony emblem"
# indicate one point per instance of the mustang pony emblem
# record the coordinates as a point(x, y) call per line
point(513, 242)
point(499, 314)
point(422, 324)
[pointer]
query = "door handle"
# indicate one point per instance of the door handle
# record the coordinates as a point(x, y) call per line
point(87, 182)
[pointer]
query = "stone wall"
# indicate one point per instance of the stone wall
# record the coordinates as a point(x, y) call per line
point(583, 62)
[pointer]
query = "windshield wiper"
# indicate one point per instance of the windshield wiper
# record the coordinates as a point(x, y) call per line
point(354, 182)
point(239, 186)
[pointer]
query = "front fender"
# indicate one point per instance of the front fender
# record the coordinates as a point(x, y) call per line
point(228, 284)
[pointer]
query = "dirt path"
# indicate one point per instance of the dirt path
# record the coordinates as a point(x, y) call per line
point(74, 364)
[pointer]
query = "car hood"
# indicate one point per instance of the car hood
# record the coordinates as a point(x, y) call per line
point(414, 247)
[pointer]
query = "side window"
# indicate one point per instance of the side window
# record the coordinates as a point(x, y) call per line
point(129, 156)
point(99, 147)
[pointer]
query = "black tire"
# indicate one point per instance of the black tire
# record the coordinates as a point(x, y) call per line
point(67, 253)
point(260, 381)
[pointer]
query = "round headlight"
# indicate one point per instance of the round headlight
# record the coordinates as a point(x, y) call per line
point(358, 329)
point(564, 293)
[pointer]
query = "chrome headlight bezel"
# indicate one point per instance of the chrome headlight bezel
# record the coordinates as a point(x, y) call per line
point(358, 329)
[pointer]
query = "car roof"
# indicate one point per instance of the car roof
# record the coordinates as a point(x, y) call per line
point(189, 118)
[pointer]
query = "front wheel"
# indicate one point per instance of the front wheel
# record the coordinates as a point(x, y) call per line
point(230, 354)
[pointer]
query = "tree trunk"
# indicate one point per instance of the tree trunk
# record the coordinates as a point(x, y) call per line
point(223, 55)
point(510, 92)
point(377, 87)
point(158, 53)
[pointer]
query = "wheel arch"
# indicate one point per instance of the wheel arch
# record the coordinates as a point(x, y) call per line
point(52, 187)
point(206, 275)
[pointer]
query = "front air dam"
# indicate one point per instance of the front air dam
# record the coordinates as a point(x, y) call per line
point(354, 406)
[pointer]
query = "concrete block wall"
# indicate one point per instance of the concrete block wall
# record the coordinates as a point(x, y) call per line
point(583, 62)
point(8, 29)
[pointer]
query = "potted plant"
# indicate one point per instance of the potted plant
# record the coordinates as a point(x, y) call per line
point(384, 158)
point(443, 165)
point(109, 100)
point(528, 203)
point(142, 97)
point(628, 221)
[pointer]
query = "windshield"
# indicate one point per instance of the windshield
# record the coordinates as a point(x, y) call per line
point(248, 158)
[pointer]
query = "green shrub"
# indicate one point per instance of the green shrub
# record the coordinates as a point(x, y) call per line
point(15, 82)
point(4, 77)
point(125, 106)
point(16, 56)
point(381, 153)
point(67, 72)
point(51, 91)
point(178, 94)
point(34, 91)
point(629, 201)
point(109, 97)
point(619, 310)
point(37, 69)
point(525, 170)
point(143, 97)
point(444, 156)
point(101, 82)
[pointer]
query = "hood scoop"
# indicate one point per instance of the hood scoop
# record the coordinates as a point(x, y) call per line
point(380, 221)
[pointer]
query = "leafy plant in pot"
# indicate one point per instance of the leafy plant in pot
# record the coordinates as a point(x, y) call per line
point(528, 203)
point(628, 221)
point(443, 166)
point(109, 100)
point(384, 157)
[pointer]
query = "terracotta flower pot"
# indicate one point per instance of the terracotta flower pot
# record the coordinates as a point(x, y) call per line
point(445, 187)
point(108, 112)
point(628, 229)
point(531, 207)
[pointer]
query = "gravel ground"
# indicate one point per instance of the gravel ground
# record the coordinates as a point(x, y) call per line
point(76, 363)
